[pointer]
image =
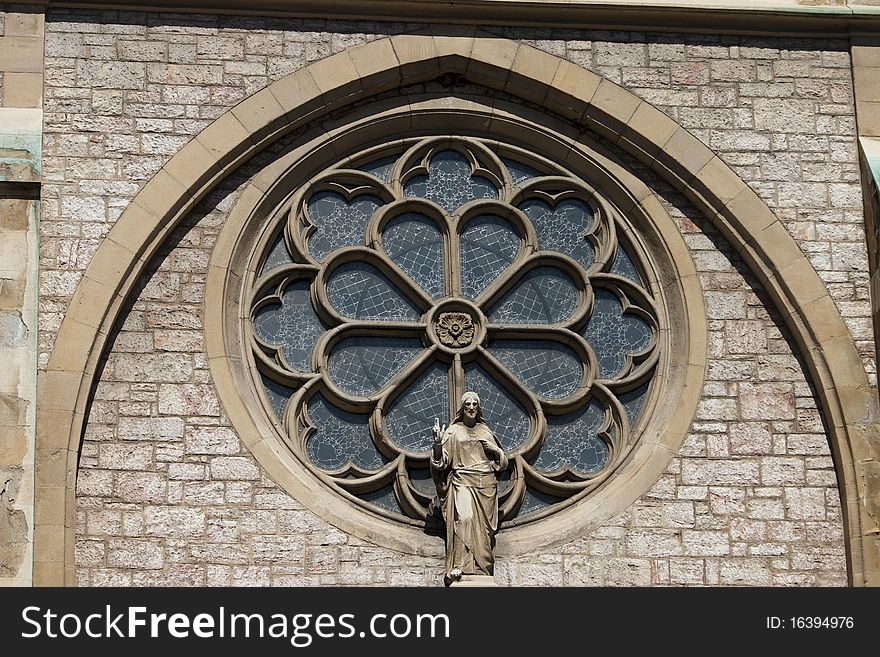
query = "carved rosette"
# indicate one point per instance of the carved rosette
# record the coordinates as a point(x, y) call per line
point(455, 329)
point(372, 257)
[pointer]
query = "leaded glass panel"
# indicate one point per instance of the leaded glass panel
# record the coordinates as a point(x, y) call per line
point(562, 228)
point(380, 168)
point(519, 172)
point(337, 222)
point(340, 438)
point(504, 414)
point(449, 182)
point(488, 246)
point(573, 442)
point(614, 334)
point(623, 265)
point(414, 244)
point(360, 291)
point(633, 401)
point(411, 416)
point(384, 498)
point(549, 369)
point(278, 256)
point(363, 365)
point(543, 296)
point(277, 394)
point(292, 325)
point(534, 501)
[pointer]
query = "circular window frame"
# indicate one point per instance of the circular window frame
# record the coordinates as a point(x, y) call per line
point(247, 233)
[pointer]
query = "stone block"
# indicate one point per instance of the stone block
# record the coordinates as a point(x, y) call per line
point(211, 440)
point(121, 456)
point(719, 472)
point(234, 468)
point(767, 401)
point(188, 399)
point(750, 438)
point(150, 428)
point(153, 367)
point(135, 553)
point(137, 487)
point(96, 74)
point(172, 521)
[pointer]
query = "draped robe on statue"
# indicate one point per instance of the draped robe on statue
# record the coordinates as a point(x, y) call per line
point(468, 490)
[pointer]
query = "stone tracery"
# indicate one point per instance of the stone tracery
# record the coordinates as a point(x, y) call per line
point(441, 268)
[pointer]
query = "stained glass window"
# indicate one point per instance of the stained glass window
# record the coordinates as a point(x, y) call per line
point(485, 271)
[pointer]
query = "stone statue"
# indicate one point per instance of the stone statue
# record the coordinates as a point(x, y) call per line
point(464, 461)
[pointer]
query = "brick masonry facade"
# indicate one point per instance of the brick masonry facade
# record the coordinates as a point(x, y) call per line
point(167, 494)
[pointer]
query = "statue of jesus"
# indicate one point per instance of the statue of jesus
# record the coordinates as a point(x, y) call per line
point(465, 460)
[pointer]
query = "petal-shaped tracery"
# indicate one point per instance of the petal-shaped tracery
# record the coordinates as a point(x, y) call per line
point(340, 437)
point(544, 295)
point(338, 222)
point(548, 368)
point(449, 182)
point(411, 416)
point(415, 245)
point(614, 334)
point(562, 228)
point(358, 290)
point(292, 325)
point(508, 419)
point(488, 244)
point(573, 442)
point(361, 366)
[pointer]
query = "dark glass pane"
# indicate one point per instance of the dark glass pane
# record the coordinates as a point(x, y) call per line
point(380, 168)
point(449, 182)
point(613, 335)
point(293, 325)
point(633, 401)
point(534, 501)
point(384, 498)
point(415, 245)
point(340, 437)
point(488, 245)
point(505, 415)
point(545, 295)
point(337, 222)
point(277, 395)
point(278, 256)
point(547, 368)
point(562, 228)
point(422, 481)
point(572, 441)
point(411, 416)
point(519, 171)
point(362, 366)
point(624, 266)
point(359, 291)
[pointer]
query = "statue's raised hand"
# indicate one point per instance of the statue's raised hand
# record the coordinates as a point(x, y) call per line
point(437, 430)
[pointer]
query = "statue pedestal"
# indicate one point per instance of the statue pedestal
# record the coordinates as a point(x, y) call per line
point(474, 580)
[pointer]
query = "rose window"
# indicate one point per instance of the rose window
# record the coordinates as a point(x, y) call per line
point(401, 278)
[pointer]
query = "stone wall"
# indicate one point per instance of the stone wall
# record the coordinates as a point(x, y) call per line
point(167, 494)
